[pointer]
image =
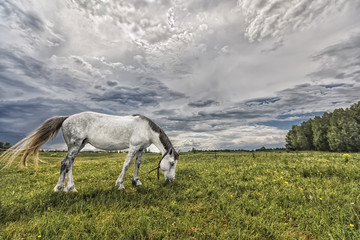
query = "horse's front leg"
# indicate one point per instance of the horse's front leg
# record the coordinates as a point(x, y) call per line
point(135, 180)
point(128, 160)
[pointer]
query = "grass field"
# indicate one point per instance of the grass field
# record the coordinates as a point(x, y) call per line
point(265, 195)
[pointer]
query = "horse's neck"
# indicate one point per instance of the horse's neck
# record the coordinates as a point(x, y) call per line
point(157, 142)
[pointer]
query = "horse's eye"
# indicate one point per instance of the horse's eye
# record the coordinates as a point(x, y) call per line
point(172, 164)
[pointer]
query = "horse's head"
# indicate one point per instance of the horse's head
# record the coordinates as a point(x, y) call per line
point(168, 164)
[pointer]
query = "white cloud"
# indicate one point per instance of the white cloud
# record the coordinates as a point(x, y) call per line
point(240, 137)
point(275, 18)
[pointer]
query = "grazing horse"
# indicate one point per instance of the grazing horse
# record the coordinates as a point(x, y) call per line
point(102, 131)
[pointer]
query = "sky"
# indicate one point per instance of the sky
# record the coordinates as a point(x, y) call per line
point(213, 74)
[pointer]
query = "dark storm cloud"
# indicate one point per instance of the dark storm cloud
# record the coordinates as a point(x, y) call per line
point(33, 21)
point(291, 106)
point(203, 103)
point(38, 108)
point(262, 101)
point(337, 85)
point(340, 61)
point(135, 97)
point(151, 93)
point(111, 83)
point(12, 59)
point(19, 118)
point(166, 112)
point(27, 20)
point(15, 83)
point(235, 114)
point(29, 75)
point(215, 120)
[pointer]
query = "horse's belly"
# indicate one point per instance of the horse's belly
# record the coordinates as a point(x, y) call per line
point(109, 140)
point(109, 145)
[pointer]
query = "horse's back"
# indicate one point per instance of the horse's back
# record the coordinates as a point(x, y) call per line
point(108, 132)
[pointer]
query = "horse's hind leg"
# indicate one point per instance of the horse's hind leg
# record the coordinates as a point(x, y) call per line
point(70, 182)
point(135, 180)
point(66, 169)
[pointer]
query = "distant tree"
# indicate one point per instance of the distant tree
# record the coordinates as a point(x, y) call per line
point(350, 129)
point(355, 111)
point(354, 127)
point(263, 148)
point(193, 150)
point(351, 135)
point(320, 127)
point(7, 145)
point(1, 145)
point(291, 139)
point(338, 131)
point(305, 136)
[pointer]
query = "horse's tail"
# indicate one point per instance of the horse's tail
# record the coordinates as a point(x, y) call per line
point(32, 143)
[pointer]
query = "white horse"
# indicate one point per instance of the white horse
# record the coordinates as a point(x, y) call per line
point(105, 132)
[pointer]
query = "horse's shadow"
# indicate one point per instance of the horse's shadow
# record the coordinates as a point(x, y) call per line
point(147, 195)
point(72, 202)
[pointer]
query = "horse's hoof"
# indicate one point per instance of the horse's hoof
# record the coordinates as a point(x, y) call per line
point(136, 182)
point(121, 187)
point(71, 189)
point(59, 188)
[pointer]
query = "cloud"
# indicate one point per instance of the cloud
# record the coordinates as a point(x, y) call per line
point(240, 137)
point(339, 62)
point(212, 74)
point(20, 117)
point(203, 103)
point(27, 20)
point(137, 97)
point(275, 18)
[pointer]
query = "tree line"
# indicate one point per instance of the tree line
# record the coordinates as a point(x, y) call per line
point(4, 146)
point(338, 131)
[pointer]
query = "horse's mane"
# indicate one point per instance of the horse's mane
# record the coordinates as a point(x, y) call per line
point(163, 137)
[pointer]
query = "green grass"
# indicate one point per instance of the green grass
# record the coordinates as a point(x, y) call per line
point(268, 195)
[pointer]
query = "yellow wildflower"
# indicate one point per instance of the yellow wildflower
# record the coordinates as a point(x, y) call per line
point(346, 157)
point(352, 225)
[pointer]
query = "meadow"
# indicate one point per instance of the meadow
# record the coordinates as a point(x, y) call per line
point(235, 195)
